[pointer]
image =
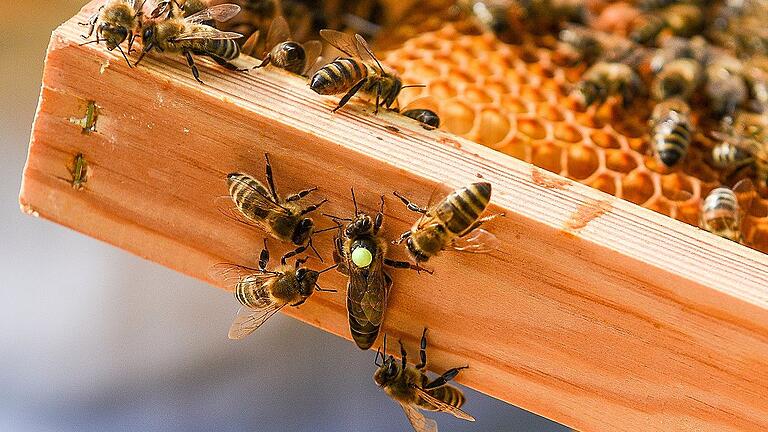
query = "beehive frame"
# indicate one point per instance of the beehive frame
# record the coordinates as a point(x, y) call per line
point(595, 313)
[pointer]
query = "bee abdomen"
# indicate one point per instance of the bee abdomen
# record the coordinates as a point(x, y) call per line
point(671, 134)
point(720, 200)
point(338, 76)
point(448, 394)
point(254, 297)
point(226, 49)
point(726, 155)
point(363, 333)
point(242, 189)
point(463, 206)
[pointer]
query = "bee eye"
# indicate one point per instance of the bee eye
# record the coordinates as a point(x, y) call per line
point(362, 257)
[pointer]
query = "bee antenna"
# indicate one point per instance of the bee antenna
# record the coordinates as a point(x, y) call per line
point(317, 254)
point(413, 85)
point(328, 269)
point(385, 346)
point(338, 225)
point(321, 289)
point(354, 200)
point(97, 40)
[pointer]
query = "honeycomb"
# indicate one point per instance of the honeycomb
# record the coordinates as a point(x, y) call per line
point(514, 98)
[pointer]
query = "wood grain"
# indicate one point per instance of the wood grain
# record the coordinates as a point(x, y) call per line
point(632, 321)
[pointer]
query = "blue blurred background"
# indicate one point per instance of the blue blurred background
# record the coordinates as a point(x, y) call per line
point(95, 339)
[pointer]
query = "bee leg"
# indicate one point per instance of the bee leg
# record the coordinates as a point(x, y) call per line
point(191, 63)
point(227, 64)
point(301, 194)
point(378, 97)
point(402, 237)
point(405, 265)
point(411, 206)
point(423, 351)
point(313, 207)
point(267, 60)
point(379, 217)
point(481, 221)
point(264, 257)
point(91, 23)
point(349, 95)
point(300, 262)
point(124, 56)
point(299, 303)
point(292, 253)
point(403, 354)
point(444, 378)
point(270, 179)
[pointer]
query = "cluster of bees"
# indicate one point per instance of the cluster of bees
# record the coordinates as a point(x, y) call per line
point(663, 56)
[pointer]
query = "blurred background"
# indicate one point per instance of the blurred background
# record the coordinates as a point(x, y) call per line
point(96, 339)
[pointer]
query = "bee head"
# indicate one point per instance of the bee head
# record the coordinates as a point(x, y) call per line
point(293, 52)
point(307, 280)
point(360, 226)
point(415, 252)
point(388, 367)
point(391, 90)
point(303, 231)
point(586, 93)
point(113, 35)
point(148, 36)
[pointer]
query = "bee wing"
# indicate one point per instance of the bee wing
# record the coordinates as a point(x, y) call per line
point(417, 419)
point(441, 406)
point(231, 274)
point(160, 9)
point(363, 47)
point(249, 320)
point(477, 241)
point(343, 42)
point(261, 196)
point(206, 32)
point(312, 49)
point(278, 32)
point(745, 193)
point(318, 64)
point(367, 294)
point(249, 47)
point(219, 13)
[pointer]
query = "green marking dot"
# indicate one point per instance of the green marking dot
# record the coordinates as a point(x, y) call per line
point(362, 257)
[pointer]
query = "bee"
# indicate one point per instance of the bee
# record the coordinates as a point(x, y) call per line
point(283, 219)
point(684, 19)
point(115, 22)
point(263, 292)
point(413, 390)
point(674, 48)
point(723, 210)
point(79, 172)
point(360, 71)
point(579, 44)
point(493, 16)
point(605, 79)
point(453, 223)
point(646, 27)
point(678, 78)
point(747, 141)
point(725, 86)
point(423, 110)
point(188, 35)
point(671, 131)
point(360, 254)
point(287, 54)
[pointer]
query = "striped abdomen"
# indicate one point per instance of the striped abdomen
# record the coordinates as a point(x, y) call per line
point(338, 76)
point(226, 49)
point(251, 293)
point(727, 155)
point(289, 56)
point(245, 191)
point(448, 394)
point(459, 210)
point(720, 214)
point(671, 134)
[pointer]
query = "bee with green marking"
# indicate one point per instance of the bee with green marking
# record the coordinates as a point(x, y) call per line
point(79, 172)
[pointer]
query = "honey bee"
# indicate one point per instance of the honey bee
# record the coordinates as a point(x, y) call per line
point(684, 19)
point(414, 391)
point(579, 44)
point(79, 172)
point(360, 254)
point(360, 71)
point(287, 54)
point(263, 292)
point(283, 219)
point(453, 223)
point(115, 22)
point(678, 78)
point(423, 110)
point(747, 143)
point(188, 35)
point(493, 16)
point(725, 86)
point(723, 210)
point(671, 131)
point(605, 79)
point(646, 27)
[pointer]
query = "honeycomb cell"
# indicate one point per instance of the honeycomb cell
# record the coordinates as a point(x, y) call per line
point(529, 55)
point(496, 88)
point(480, 68)
point(758, 208)
point(494, 127)
point(631, 129)
point(457, 117)
point(547, 155)
point(532, 128)
point(516, 148)
point(513, 104)
point(477, 95)
point(637, 186)
point(533, 94)
point(605, 182)
point(550, 112)
point(676, 187)
point(590, 120)
point(604, 139)
point(688, 212)
point(514, 77)
point(582, 161)
point(619, 161)
point(457, 76)
point(567, 133)
point(429, 71)
point(442, 90)
point(661, 206)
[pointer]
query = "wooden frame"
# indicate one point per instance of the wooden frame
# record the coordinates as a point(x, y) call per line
point(595, 312)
